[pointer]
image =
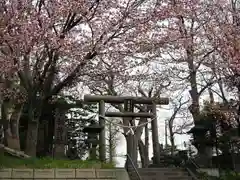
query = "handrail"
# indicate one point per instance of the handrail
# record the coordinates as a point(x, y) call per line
point(196, 165)
point(191, 174)
point(134, 167)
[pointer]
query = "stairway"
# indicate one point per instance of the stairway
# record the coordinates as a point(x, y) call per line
point(161, 174)
point(135, 173)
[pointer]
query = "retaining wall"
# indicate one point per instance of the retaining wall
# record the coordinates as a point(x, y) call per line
point(63, 174)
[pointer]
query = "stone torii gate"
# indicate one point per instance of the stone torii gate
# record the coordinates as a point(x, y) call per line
point(128, 115)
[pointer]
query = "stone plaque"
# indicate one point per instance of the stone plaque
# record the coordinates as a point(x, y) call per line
point(60, 133)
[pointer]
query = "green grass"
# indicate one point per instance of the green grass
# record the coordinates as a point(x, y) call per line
point(47, 163)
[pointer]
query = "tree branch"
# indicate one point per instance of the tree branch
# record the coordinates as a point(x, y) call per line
point(71, 77)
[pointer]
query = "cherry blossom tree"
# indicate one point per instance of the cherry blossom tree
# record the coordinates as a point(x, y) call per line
point(51, 45)
point(187, 48)
point(222, 31)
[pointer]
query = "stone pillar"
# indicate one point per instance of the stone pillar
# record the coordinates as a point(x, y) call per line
point(60, 134)
point(93, 153)
point(155, 141)
point(102, 135)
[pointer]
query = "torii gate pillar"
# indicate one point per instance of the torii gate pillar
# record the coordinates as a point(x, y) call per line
point(102, 135)
point(155, 139)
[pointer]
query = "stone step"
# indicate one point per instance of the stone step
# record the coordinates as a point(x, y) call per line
point(133, 175)
point(163, 173)
point(166, 178)
point(161, 169)
point(160, 174)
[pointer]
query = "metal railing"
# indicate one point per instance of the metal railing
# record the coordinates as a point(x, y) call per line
point(132, 169)
point(194, 163)
point(134, 174)
point(192, 172)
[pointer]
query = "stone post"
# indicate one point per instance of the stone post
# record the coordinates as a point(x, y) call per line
point(102, 136)
point(155, 141)
point(59, 134)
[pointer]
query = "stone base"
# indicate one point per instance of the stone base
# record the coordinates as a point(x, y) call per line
point(57, 174)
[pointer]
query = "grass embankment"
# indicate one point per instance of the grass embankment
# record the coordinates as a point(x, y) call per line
point(47, 163)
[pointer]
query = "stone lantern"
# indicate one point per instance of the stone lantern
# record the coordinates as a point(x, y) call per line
point(199, 133)
point(93, 130)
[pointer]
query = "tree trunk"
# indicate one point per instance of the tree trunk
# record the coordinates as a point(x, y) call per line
point(50, 133)
point(13, 139)
point(135, 150)
point(144, 149)
point(137, 138)
point(10, 120)
point(41, 138)
point(111, 153)
point(238, 112)
point(6, 114)
point(132, 144)
point(171, 134)
point(32, 137)
point(194, 108)
point(1, 124)
point(132, 139)
point(192, 68)
point(35, 107)
point(142, 152)
point(172, 144)
point(5, 121)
